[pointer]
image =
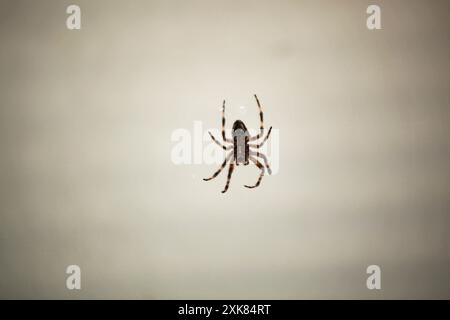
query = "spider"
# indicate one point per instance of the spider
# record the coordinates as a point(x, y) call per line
point(242, 151)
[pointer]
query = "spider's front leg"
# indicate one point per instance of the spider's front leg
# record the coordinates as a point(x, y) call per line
point(261, 118)
point(223, 124)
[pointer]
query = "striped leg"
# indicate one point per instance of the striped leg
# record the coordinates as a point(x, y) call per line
point(262, 156)
point(260, 166)
point(221, 167)
point(230, 172)
point(259, 145)
point(223, 124)
point(219, 144)
point(261, 133)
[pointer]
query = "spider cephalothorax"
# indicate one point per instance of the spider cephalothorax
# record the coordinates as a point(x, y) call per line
point(242, 151)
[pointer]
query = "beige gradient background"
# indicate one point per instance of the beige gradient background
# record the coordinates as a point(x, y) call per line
point(86, 176)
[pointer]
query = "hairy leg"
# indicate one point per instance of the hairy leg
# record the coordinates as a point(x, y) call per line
point(219, 144)
point(259, 145)
point(261, 118)
point(261, 167)
point(221, 167)
point(223, 124)
point(262, 156)
point(230, 172)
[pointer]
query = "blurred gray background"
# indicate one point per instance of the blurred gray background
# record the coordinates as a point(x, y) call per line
point(86, 175)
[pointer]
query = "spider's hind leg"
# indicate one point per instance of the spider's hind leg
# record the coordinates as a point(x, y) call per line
point(261, 167)
point(262, 156)
point(230, 172)
point(221, 168)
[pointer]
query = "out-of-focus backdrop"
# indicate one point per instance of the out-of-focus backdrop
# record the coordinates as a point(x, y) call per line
point(86, 118)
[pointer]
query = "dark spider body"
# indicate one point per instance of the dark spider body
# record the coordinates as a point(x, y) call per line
point(242, 150)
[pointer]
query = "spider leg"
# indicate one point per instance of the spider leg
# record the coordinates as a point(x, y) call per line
point(259, 145)
point(221, 167)
point(219, 144)
point(262, 156)
point(261, 120)
point(260, 166)
point(223, 124)
point(230, 172)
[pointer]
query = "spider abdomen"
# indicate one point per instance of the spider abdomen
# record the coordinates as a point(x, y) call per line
point(241, 150)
